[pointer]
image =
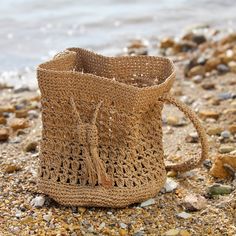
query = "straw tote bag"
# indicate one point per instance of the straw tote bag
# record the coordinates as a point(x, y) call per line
point(102, 128)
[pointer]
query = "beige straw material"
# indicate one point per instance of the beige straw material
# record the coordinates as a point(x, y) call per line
point(102, 128)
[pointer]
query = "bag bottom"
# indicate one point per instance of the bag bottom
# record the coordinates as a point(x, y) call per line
point(116, 197)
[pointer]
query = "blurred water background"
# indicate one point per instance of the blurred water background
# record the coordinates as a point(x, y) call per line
point(33, 30)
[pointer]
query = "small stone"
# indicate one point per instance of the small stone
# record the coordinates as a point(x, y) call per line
point(170, 185)
point(7, 108)
point(218, 169)
point(207, 163)
point(184, 46)
point(212, 63)
point(4, 134)
point(192, 138)
point(149, 202)
point(171, 173)
point(38, 201)
point(101, 226)
point(197, 79)
point(3, 120)
point(232, 66)
point(214, 130)
point(47, 217)
point(21, 113)
point(12, 168)
point(19, 123)
point(194, 202)
point(173, 120)
point(224, 96)
point(225, 134)
point(123, 232)
point(18, 214)
point(167, 43)
point(22, 89)
point(219, 189)
point(81, 210)
point(232, 129)
point(226, 148)
point(31, 146)
point(208, 86)
point(198, 38)
point(204, 114)
point(222, 69)
point(176, 232)
point(184, 215)
point(123, 225)
point(197, 70)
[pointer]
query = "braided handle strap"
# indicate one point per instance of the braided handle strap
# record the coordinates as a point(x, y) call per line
point(192, 162)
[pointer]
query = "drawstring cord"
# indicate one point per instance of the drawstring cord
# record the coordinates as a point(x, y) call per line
point(94, 165)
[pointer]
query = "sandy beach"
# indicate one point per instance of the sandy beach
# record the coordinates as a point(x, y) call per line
point(199, 202)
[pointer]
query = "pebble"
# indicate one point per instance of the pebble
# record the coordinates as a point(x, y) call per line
point(123, 232)
point(101, 226)
point(226, 148)
point(171, 173)
point(225, 134)
point(149, 202)
point(173, 120)
point(167, 43)
point(192, 137)
point(123, 225)
point(184, 215)
point(232, 129)
point(208, 86)
point(207, 163)
point(31, 146)
point(7, 108)
point(19, 123)
point(222, 69)
point(12, 168)
point(3, 120)
point(4, 134)
point(197, 70)
point(18, 214)
point(219, 189)
point(224, 96)
point(22, 89)
point(209, 114)
point(38, 201)
point(212, 63)
point(198, 38)
point(232, 66)
point(194, 202)
point(21, 113)
point(47, 217)
point(170, 185)
point(214, 130)
point(177, 232)
point(197, 79)
point(219, 169)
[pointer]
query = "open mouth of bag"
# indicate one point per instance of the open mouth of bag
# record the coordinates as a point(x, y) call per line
point(137, 71)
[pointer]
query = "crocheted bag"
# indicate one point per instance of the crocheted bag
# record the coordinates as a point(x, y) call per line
point(102, 128)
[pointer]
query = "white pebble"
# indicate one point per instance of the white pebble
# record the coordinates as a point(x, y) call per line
point(184, 215)
point(47, 217)
point(149, 202)
point(170, 185)
point(38, 201)
point(123, 225)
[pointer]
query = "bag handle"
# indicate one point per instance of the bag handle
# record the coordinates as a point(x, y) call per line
point(192, 162)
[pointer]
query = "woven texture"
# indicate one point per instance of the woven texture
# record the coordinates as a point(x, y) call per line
point(102, 128)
